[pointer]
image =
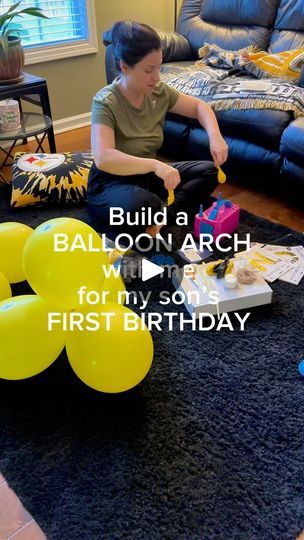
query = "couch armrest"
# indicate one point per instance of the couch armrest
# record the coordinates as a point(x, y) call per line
point(176, 47)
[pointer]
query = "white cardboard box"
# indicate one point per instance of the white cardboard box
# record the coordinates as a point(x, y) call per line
point(243, 297)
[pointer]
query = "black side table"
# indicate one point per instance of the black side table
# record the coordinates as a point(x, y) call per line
point(34, 90)
point(32, 125)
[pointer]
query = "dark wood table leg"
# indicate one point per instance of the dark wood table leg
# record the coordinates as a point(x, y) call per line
point(45, 104)
point(24, 141)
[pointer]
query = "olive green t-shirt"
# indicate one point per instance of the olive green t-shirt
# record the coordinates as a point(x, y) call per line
point(138, 132)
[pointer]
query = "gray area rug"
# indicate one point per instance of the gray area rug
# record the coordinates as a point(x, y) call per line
point(209, 446)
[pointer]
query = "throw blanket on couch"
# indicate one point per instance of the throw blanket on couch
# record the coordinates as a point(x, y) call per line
point(215, 56)
point(284, 65)
point(223, 90)
point(230, 94)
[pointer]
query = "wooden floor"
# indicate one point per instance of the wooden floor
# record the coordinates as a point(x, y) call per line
point(15, 521)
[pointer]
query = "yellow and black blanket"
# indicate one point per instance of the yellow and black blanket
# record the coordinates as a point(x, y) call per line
point(285, 65)
point(224, 80)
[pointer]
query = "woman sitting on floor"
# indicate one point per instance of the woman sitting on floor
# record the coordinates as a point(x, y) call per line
point(127, 130)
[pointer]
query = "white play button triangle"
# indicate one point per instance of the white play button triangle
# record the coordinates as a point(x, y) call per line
point(149, 270)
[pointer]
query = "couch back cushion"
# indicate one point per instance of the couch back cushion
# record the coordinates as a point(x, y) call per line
point(231, 24)
point(288, 30)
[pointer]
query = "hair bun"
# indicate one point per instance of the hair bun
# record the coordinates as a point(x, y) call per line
point(132, 41)
point(122, 31)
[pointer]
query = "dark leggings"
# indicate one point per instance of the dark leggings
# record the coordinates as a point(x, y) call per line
point(198, 180)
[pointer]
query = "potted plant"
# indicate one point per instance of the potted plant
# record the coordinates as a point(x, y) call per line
point(11, 50)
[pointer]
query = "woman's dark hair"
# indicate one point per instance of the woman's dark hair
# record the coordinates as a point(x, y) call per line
point(132, 41)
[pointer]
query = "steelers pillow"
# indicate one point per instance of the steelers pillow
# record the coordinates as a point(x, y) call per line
point(50, 178)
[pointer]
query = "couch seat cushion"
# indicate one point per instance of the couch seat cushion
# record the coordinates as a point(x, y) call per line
point(240, 151)
point(264, 127)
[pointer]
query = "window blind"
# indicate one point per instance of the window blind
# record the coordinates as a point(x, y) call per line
point(67, 22)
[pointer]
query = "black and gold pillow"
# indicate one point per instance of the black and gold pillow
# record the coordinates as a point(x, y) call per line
point(50, 178)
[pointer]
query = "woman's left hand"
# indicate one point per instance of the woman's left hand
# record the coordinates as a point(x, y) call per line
point(218, 149)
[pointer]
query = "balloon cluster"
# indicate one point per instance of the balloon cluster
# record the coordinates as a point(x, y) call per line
point(107, 360)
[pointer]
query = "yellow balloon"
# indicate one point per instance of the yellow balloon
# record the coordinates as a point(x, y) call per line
point(112, 360)
point(171, 197)
point(114, 285)
point(5, 290)
point(12, 239)
point(57, 275)
point(27, 347)
point(221, 176)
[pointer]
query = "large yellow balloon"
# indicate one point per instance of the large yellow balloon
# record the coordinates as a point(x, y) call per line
point(5, 290)
point(112, 360)
point(58, 275)
point(27, 347)
point(114, 285)
point(12, 239)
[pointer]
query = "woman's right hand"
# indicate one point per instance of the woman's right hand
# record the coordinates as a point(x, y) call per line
point(168, 174)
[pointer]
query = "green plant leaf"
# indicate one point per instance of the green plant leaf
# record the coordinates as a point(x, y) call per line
point(3, 18)
point(9, 19)
point(9, 13)
point(14, 6)
point(6, 18)
point(12, 12)
point(4, 45)
point(36, 12)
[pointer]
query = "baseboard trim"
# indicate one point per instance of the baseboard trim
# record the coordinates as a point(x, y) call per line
point(72, 122)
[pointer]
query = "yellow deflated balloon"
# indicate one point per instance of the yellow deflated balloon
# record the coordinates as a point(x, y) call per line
point(5, 290)
point(171, 197)
point(111, 360)
point(221, 176)
point(12, 239)
point(27, 347)
point(61, 256)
